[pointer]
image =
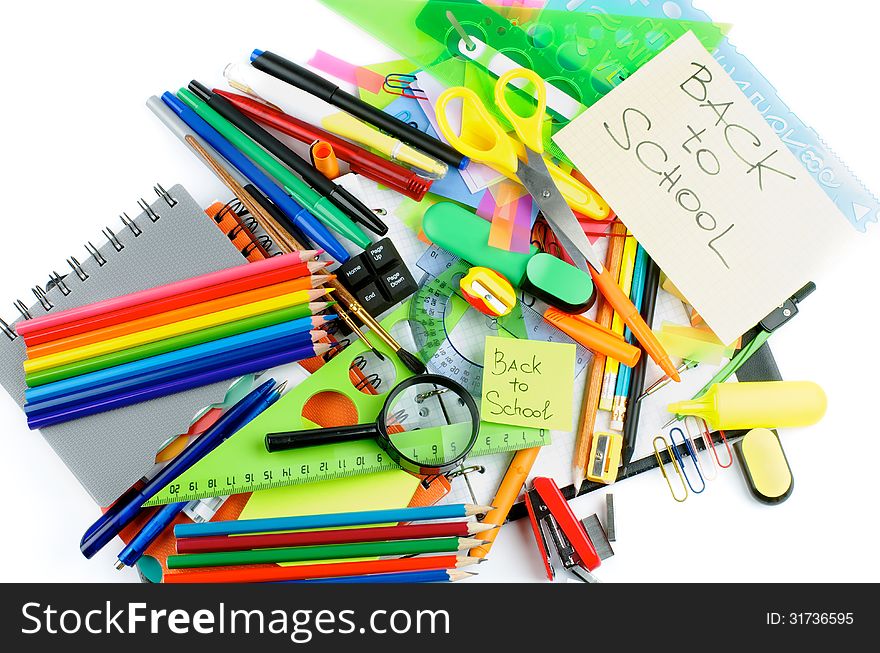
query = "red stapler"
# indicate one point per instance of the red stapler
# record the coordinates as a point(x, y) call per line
point(549, 511)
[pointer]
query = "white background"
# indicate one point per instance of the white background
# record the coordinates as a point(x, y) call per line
point(74, 124)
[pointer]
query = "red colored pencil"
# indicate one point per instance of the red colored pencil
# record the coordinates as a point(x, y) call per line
point(184, 287)
point(180, 314)
point(153, 307)
point(336, 536)
point(269, 574)
point(360, 160)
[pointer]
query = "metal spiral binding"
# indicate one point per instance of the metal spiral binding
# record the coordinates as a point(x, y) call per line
point(117, 244)
point(165, 195)
point(57, 280)
point(78, 268)
point(40, 294)
point(128, 222)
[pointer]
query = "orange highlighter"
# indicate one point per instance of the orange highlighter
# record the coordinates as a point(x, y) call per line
point(516, 476)
point(594, 336)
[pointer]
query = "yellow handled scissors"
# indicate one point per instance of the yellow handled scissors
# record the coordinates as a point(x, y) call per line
point(505, 154)
point(548, 191)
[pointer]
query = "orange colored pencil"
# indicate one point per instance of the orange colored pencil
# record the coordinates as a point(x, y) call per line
point(275, 573)
point(185, 313)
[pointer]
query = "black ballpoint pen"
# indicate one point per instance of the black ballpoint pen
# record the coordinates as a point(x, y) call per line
point(340, 197)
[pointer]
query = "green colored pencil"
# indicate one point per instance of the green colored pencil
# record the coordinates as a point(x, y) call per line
point(42, 377)
point(323, 552)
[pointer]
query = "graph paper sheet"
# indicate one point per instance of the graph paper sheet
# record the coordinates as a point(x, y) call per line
point(690, 165)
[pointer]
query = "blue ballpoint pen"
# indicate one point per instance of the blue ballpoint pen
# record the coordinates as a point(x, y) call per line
point(129, 505)
point(151, 530)
point(300, 216)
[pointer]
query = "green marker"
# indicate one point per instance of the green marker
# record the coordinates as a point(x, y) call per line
point(320, 206)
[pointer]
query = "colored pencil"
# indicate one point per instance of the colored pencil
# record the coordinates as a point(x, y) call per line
point(164, 373)
point(336, 536)
point(179, 315)
point(171, 330)
point(428, 576)
point(302, 311)
point(180, 385)
point(624, 281)
point(590, 405)
point(322, 552)
point(332, 520)
point(175, 289)
point(624, 375)
point(234, 287)
point(301, 328)
point(330, 570)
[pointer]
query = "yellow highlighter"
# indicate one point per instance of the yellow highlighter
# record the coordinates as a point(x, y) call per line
point(171, 330)
point(765, 404)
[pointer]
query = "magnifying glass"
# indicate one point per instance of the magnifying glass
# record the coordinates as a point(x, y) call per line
point(428, 425)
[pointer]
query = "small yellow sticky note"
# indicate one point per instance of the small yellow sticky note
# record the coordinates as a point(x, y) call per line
point(528, 383)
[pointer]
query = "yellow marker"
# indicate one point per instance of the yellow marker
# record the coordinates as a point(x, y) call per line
point(488, 292)
point(766, 468)
point(764, 404)
point(171, 330)
point(605, 457)
point(353, 129)
point(625, 279)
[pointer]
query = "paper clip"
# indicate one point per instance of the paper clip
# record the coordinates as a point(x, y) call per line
point(693, 456)
point(707, 434)
point(659, 457)
point(707, 446)
point(403, 84)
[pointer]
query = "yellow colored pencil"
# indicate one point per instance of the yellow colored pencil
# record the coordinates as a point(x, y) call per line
point(176, 329)
point(628, 264)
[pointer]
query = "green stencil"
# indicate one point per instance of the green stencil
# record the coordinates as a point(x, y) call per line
point(242, 464)
point(583, 54)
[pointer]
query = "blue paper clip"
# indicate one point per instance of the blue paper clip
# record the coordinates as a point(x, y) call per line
point(693, 455)
point(707, 449)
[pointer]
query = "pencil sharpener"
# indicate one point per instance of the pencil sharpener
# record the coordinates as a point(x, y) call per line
point(488, 292)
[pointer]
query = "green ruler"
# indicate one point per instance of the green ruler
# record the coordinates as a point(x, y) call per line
point(242, 464)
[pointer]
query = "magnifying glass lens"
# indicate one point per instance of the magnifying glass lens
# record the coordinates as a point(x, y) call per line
point(430, 423)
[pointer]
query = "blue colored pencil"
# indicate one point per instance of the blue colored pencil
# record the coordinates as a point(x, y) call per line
point(215, 348)
point(428, 576)
point(334, 520)
point(624, 375)
point(145, 394)
point(172, 373)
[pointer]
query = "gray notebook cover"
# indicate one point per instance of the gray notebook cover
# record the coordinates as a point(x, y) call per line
point(109, 452)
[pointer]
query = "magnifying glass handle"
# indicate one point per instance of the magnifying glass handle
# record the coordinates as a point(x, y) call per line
point(297, 439)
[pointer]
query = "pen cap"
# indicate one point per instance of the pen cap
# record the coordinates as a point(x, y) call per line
point(766, 404)
point(302, 77)
point(594, 337)
point(289, 99)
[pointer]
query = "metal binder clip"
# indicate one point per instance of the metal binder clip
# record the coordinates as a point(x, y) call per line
point(165, 195)
point(99, 258)
point(550, 514)
point(693, 456)
point(25, 313)
point(404, 85)
point(128, 222)
point(146, 208)
point(57, 281)
point(117, 244)
point(78, 268)
point(12, 335)
point(658, 455)
point(40, 294)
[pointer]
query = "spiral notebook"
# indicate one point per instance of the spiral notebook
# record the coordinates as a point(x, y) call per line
point(171, 239)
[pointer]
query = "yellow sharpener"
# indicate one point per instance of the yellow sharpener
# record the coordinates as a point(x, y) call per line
point(605, 457)
point(488, 292)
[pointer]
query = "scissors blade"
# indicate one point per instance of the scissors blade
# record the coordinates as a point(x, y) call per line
point(536, 179)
